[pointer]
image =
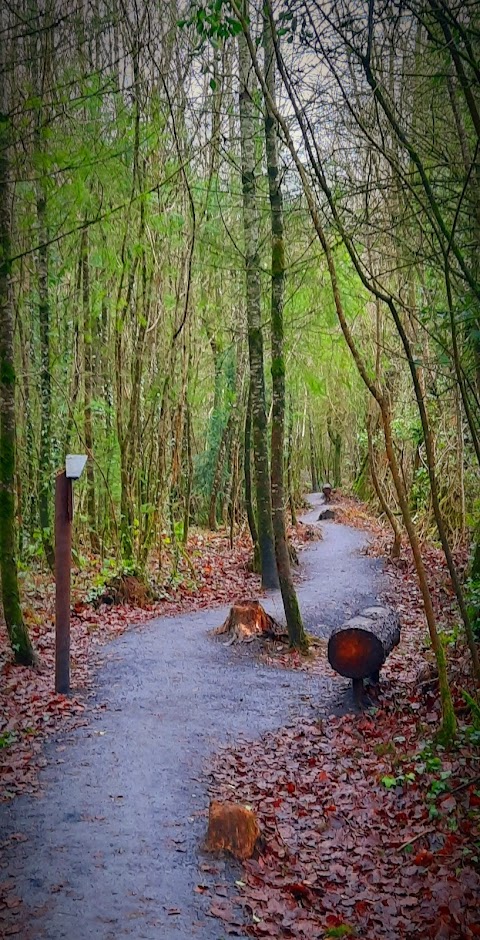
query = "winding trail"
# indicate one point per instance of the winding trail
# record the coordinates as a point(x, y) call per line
point(112, 845)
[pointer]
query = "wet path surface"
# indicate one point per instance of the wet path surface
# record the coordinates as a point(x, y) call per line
point(112, 846)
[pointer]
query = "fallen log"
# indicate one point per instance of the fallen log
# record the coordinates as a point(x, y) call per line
point(359, 647)
point(248, 620)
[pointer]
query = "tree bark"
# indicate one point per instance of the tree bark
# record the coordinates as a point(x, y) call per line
point(189, 473)
point(291, 496)
point(45, 496)
point(397, 532)
point(88, 386)
point(247, 475)
point(39, 52)
point(336, 439)
point(17, 630)
point(254, 318)
point(218, 474)
point(313, 466)
point(359, 647)
point(296, 632)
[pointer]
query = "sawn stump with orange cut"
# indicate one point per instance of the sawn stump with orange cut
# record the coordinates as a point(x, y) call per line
point(247, 620)
point(359, 647)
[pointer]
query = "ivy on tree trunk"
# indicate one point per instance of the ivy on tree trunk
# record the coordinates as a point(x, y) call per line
point(254, 320)
point(17, 630)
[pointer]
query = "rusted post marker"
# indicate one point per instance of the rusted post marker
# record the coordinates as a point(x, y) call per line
point(63, 563)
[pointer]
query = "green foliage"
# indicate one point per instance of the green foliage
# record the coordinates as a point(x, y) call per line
point(7, 738)
point(212, 21)
point(428, 773)
point(474, 708)
point(473, 601)
point(420, 489)
point(341, 930)
point(390, 782)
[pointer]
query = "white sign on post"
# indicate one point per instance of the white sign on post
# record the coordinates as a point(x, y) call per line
point(74, 464)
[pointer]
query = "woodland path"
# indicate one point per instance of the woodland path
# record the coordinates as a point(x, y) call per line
point(112, 847)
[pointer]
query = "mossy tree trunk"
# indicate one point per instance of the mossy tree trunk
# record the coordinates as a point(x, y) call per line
point(296, 632)
point(222, 455)
point(188, 464)
point(45, 496)
point(336, 439)
point(313, 462)
point(291, 496)
point(254, 317)
point(40, 69)
point(17, 630)
point(88, 393)
point(395, 525)
point(247, 475)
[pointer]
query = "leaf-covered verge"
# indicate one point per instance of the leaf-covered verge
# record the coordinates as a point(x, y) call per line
point(372, 830)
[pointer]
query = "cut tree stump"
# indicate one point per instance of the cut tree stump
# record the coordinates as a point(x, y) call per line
point(232, 828)
point(248, 620)
point(359, 647)
point(326, 514)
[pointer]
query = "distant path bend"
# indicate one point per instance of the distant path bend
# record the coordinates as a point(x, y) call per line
point(112, 846)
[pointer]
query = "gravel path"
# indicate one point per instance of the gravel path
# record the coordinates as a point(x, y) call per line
point(112, 846)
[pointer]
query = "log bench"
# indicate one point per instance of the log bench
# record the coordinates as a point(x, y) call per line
point(359, 647)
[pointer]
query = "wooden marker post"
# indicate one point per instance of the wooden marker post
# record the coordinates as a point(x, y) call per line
point(63, 564)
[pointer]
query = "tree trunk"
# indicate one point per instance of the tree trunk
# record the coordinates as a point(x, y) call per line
point(360, 483)
point(336, 440)
point(247, 474)
point(291, 497)
point(189, 473)
point(296, 632)
point(233, 499)
point(17, 630)
point(449, 722)
point(397, 532)
point(29, 508)
point(45, 464)
point(39, 70)
point(254, 318)
point(88, 385)
point(218, 474)
point(313, 465)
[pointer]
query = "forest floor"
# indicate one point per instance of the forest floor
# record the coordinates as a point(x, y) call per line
point(366, 834)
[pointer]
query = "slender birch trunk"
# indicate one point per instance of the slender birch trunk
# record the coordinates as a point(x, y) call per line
point(45, 463)
point(40, 68)
point(296, 632)
point(254, 318)
point(247, 475)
